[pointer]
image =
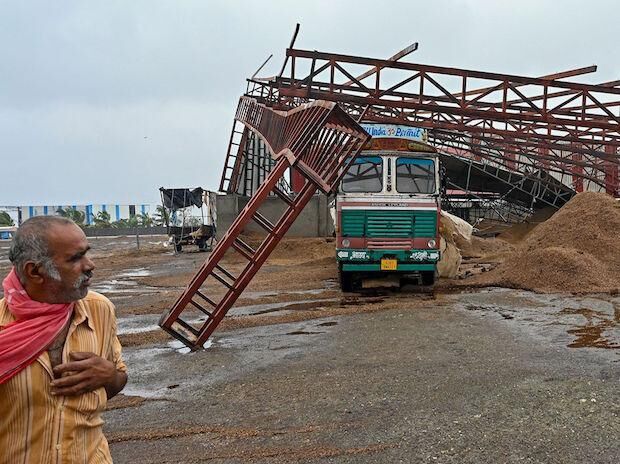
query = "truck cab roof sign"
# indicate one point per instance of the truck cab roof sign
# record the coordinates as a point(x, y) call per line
point(379, 131)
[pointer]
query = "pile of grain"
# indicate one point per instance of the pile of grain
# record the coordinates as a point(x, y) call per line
point(517, 232)
point(290, 249)
point(576, 250)
point(488, 248)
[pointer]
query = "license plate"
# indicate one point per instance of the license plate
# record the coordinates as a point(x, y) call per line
point(389, 264)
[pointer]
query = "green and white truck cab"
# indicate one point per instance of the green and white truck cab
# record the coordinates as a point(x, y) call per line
point(387, 209)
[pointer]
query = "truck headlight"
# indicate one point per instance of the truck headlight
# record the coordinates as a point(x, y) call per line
point(431, 243)
point(346, 243)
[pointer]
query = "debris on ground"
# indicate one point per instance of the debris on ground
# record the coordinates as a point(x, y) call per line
point(519, 231)
point(576, 250)
point(491, 249)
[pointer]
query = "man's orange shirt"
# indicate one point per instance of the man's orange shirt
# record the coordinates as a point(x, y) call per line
point(36, 427)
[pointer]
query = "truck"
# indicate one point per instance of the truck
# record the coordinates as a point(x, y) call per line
point(388, 208)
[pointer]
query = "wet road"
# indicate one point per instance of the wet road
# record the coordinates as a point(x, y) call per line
point(483, 377)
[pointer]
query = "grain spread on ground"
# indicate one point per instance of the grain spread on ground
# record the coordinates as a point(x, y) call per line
point(576, 250)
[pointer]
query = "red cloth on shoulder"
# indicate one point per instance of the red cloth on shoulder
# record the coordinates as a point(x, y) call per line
point(35, 327)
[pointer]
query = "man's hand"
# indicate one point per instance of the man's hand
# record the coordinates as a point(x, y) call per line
point(87, 372)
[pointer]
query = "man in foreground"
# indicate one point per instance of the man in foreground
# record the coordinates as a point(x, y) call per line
point(60, 359)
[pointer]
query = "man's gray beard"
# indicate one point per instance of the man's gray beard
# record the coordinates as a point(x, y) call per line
point(78, 283)
point(53, 274)
point(78, 292)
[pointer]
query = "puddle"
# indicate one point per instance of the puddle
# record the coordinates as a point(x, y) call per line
point(133, 330)
point(131, 390)
point(229, 356)
point(149, 322)
point(327, 324)
point(283, 307)
point(179, 347)
point(258, 294)
point(263, 294)
point(331, 284)
point(124, 286)
point(303, 332)
point(593, 333)
point(576, 322)
point(593, 336)
point(139, 272)
point(503, 312)
point(356, 300)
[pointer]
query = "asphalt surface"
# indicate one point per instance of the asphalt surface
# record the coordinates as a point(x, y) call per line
point(481, 377)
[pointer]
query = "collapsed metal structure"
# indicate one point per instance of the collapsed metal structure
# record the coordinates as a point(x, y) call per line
point(534, 141)
point(320, 141)
point(516, 143)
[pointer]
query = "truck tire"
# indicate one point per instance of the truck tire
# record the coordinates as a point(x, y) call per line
point(347, 280)
point(428, 278)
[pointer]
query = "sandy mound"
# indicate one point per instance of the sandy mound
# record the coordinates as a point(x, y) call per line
point(304, 249)
point(290, 249)
point(479, 247)
point(576, 250)
point(518, 232)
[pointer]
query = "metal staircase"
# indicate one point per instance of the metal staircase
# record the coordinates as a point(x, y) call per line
point(321, 141)
point(234, 156)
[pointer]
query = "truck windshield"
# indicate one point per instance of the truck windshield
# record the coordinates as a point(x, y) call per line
point(364, 175)
point(415, 175)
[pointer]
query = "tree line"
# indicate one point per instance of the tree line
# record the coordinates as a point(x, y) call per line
point(102, 219)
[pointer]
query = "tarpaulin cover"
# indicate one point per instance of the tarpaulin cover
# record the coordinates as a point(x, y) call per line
point(181, 198)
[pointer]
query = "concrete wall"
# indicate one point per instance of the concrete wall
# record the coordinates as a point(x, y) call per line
point(314, 220)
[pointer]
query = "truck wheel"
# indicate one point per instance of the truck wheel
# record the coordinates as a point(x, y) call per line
point(178, 247)
point(347, 281)
point(428, 278)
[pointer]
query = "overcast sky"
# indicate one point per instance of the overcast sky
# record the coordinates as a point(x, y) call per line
point(106, 101)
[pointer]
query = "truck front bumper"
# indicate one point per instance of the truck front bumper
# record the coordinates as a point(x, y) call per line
point(370, 260)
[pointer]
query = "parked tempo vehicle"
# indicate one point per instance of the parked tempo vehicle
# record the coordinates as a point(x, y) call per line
point(387, 209)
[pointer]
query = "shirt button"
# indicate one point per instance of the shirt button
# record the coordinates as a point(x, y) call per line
point(58, 446)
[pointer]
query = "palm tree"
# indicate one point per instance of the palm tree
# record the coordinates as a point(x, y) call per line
point(161, 216)
point(130, 223)
point(120, 224)
point(102, 219)
point(73, 214)
point(6, 219)
point(144, 220)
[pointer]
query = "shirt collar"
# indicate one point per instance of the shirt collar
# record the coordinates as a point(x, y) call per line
point(81, 314)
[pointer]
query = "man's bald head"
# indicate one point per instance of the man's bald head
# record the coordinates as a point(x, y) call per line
point(30, 244)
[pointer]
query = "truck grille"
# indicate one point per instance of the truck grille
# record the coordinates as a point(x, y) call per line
point(399, 224)
point(382, 224)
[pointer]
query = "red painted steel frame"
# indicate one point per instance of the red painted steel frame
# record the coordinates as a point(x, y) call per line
point(534, 121)
point(321, 141)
